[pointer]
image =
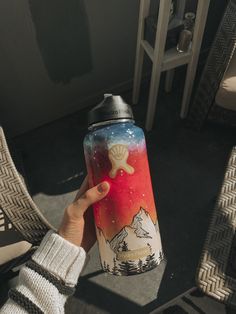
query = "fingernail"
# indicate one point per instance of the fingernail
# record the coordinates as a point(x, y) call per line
point(103, 187)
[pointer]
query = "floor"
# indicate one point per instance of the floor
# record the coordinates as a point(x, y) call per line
point(187, 168)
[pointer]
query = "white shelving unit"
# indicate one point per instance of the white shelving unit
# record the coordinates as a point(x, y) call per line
point(167, 60)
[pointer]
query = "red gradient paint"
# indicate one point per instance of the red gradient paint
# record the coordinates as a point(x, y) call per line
point(128, 192)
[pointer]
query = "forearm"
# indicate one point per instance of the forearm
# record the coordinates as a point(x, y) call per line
point(48, 279)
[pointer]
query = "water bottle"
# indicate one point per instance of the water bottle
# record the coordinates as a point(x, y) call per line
point(125, 220)
point(186, 34)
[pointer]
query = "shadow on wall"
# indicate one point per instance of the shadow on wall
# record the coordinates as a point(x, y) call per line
point(62, 33)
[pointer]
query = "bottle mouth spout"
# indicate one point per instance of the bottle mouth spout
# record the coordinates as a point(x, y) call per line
point(112, 108)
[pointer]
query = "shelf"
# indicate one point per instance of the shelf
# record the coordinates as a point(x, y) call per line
point(172, 58)
point(167, 60)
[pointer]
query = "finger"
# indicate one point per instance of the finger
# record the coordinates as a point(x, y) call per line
point(83, 188)
point(91, 196)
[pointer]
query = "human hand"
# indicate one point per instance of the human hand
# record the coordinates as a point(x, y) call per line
point(77, 225)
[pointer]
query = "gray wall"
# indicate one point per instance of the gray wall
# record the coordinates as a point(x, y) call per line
point(57, 56)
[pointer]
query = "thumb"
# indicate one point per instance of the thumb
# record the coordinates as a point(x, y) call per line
point(91, 196)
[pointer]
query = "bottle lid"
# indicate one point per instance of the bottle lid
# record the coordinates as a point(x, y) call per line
point(111, 108)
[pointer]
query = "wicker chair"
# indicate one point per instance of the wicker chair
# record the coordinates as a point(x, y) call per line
point(216, 275)
point(223, 48)
point(21, 220)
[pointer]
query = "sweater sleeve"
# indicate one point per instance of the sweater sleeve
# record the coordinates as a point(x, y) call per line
point(48, 278)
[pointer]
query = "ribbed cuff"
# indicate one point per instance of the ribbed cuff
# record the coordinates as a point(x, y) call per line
point(60, 257)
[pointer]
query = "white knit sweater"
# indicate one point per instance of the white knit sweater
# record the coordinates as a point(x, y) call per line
point(47, 280)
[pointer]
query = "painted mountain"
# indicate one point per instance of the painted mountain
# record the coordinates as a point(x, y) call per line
point(141, 235)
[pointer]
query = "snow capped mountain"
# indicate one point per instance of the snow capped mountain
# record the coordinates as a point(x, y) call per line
point(118, 239)
point(140, 219)
point(139, 235)
point(141, 227)
point(133, 231)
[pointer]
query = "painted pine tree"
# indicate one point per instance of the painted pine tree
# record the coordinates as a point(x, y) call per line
point(128, 268)
point(161, 256)
point(125, 246)
point(104, 266)
point(115, 269)
point(150, 262)
point(140, 266)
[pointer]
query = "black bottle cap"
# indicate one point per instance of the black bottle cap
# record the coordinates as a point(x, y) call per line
point(111, 108)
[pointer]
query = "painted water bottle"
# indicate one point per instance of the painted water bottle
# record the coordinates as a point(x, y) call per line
point(125, 220)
